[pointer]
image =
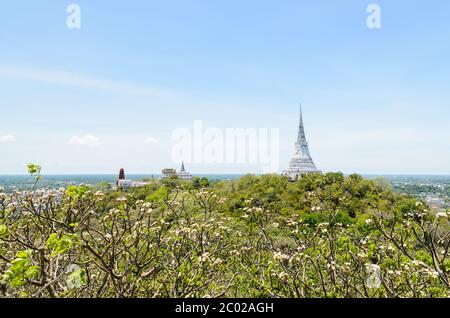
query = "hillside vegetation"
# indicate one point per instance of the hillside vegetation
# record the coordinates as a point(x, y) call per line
point(259, 236)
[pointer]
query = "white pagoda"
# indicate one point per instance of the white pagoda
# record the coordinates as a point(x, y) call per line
point(183, 174)
point(302, 162)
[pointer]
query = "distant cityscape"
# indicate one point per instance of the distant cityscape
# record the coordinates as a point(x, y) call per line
point(434, 190)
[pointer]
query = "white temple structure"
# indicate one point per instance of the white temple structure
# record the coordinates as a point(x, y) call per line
point(125, 184)
point(302, 162)
point(183, 174)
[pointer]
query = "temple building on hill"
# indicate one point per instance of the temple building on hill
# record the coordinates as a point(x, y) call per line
point(125, 184)
point(172, 173)
point(183, 174)
point(122, 182)
point(302, 162)
point(169, 173)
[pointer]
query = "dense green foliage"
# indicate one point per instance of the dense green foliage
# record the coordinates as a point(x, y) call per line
point(259, 236)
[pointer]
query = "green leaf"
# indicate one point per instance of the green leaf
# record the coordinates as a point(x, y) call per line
point(33, 169)
point(32, 272)
point(61, 245)
point(77, 192)
point(3, 231)
point(24, 254)
point(21, 270)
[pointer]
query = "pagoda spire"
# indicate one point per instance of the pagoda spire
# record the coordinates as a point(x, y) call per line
point(301, 139)
point(301, 145)
point(182, 166)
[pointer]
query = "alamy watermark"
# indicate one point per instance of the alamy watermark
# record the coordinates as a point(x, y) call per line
point(374, 276)
point(75, 276)
point(74, 18)
point(374, 19)
point(259, 146)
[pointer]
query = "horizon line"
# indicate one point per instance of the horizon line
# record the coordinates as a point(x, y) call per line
point(226, 173)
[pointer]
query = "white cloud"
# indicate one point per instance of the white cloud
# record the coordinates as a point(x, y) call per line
point(86, 140)
point(151, 140)
point(7, 138)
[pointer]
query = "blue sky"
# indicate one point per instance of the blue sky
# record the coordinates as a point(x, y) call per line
point(375, 101)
